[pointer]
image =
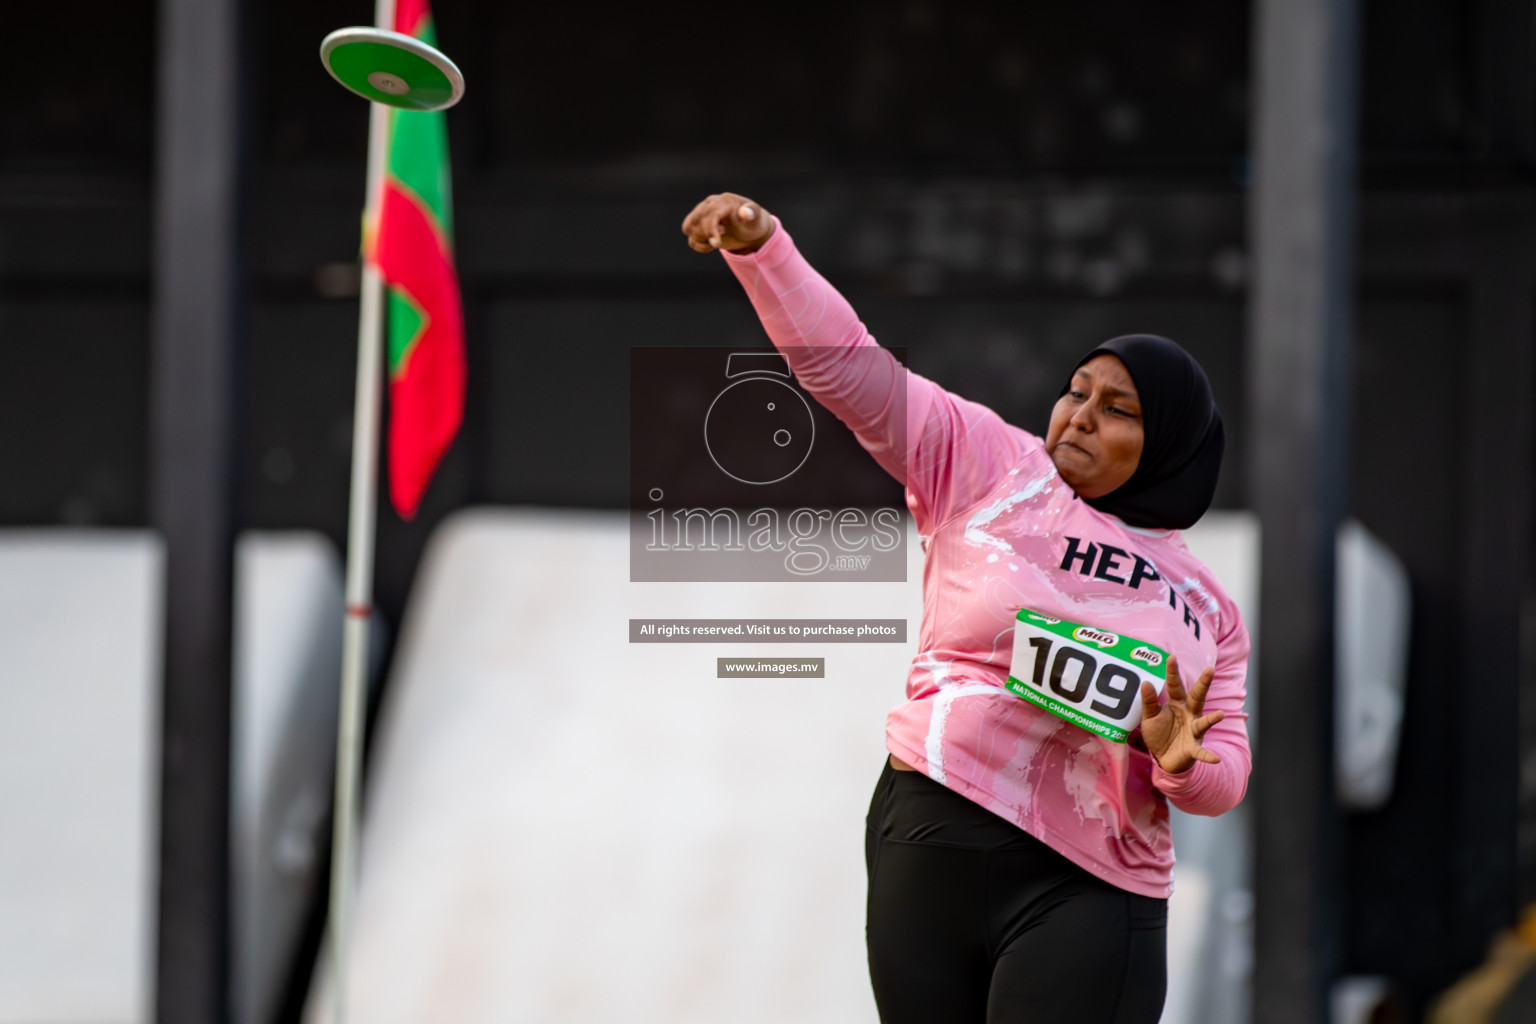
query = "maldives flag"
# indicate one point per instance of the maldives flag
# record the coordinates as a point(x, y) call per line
point(412, 247)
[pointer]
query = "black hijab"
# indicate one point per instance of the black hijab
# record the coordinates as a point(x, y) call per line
point(1181, 455)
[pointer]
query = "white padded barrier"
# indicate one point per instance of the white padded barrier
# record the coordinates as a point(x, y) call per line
point(80, 661)
point(563, 826)
point(288, 615)
point(1372, 620)
point(80, 650)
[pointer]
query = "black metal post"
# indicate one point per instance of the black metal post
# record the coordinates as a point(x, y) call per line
point(1301, 219)
point(197, 197)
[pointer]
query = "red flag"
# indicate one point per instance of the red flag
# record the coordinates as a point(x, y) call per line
point(412, 247)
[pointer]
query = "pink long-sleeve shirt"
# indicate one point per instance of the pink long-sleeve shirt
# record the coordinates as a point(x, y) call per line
point(1003, 532)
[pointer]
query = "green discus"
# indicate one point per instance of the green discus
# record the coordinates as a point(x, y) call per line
point(392, 68)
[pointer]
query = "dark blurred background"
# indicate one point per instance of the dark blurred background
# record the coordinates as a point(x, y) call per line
point(996, 187)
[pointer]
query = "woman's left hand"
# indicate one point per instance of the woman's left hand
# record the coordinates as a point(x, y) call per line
point(1172, 730)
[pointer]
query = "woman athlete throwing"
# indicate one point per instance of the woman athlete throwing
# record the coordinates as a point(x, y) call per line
point(1018, 845)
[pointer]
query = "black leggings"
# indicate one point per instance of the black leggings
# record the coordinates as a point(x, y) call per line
point(973, 920)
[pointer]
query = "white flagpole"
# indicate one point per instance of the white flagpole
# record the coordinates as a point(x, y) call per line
point(359, 582)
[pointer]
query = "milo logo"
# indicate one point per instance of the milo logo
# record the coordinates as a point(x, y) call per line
point(1147, 655)
point(1044, 618)
point(1089, 635)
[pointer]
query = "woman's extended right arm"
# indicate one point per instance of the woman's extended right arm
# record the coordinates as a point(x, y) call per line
point(947, 451)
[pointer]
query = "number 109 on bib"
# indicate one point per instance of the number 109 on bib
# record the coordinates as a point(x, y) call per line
point(1088, 676)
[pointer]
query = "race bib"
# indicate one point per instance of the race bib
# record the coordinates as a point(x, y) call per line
point(1088, 676)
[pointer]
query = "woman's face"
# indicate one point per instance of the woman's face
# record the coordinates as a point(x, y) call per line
point(1096, 433)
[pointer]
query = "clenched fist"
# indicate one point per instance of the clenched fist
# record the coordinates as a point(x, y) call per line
point(727, 221)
